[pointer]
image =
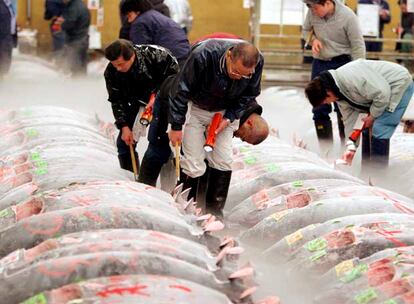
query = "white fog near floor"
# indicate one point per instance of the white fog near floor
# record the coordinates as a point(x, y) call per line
point(34, 82)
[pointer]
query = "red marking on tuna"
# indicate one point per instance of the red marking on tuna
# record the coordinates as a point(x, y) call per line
point(133, 290)
point(57, 221)
point(181, 287)
point(393, 240)
point(346, 194)
point(162, 236)
point(84, 200)
point(62, 267)
point(403, 208)
point(94, 217)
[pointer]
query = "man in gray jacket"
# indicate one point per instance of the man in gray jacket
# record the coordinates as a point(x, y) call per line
point(336, 38)
point(380, 88)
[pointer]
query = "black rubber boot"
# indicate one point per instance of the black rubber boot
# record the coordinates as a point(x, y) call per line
point(380, 153)
point(149, 172)
point(217, 190)
point(366, 147)
point(324, 130)
point(189, 182)
point(341, 126)
point(125, 161)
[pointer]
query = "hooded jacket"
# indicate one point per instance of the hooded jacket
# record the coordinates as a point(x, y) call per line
point(131, 90)
point(376, 85)
point(203, 80)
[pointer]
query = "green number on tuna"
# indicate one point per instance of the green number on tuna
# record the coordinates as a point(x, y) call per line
point(366, 296)
point(38, 299)
point(316, 245)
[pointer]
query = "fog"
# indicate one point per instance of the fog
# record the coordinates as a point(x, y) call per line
point(34, 82)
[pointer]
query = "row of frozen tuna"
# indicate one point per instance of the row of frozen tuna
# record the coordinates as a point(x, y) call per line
point(350, 240)
point(75, 229)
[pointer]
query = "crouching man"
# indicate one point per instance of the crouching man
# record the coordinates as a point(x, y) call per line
point(381, 89)
point(220, 76)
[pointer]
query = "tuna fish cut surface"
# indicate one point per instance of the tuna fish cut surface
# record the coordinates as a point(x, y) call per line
point(292, 245)
point(133, 289)
point(281, 224)
point(248, 182)
point(361, 274)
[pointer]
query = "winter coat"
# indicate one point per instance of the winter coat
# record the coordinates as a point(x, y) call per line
point(77, 19)
point(376, 85)
point(152, 27)
point(203, 80)
point(131, 90)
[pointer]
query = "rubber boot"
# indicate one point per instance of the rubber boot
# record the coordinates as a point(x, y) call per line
point(324, 130)
point(366, 147)
point(189, 182)
point(202, 188)
point(149, 172)
point(125, 161)
point(217, 190)
point(380, 153)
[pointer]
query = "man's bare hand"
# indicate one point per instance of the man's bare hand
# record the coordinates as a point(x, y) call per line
point(368, 121)
point(127, 136)
point(223, 124)
point(176, 137)
point(348, 156)
point(316, 47)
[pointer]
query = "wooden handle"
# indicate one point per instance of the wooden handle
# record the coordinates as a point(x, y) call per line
point(134, 162)
point(177, 161)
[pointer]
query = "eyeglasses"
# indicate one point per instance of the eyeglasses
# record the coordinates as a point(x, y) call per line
point(237, 74)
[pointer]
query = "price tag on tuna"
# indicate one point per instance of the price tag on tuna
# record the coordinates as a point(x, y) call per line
point(38, 299)
point(35, 156)
point(41, 171)
point(273, 168)
point(344, 267)
point(279, 215)
point(250, 160)
point(32, 133)
point(318, 255)
point(41, 164)
point(390, 302)
point(244, 149)
point(5, 212)
point(366, 296)
point(355, 273)
point(316, 245)
point(297, 184)
point(294, 237)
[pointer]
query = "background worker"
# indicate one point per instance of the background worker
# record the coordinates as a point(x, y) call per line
point(380, 88)
point(53, 10)
point(7, 31)
point(220, 76)
point(384, 18)
point(151, 27)
point(134, 72)
point(181, 13)
point(75, 21)
point(336, 40)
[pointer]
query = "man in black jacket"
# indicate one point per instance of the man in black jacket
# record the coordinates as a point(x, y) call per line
point(252, 128)
point(134, 72)
point(220, 76)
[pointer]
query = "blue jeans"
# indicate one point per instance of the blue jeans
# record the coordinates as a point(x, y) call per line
point(385, 125)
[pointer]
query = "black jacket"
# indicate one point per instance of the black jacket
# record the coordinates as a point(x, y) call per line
point(131, 90)
point(77, 20)
point(152, 27)
point(204, 81)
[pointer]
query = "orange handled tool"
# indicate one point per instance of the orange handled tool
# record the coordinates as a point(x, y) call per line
point(211, 136)
point(146, 117)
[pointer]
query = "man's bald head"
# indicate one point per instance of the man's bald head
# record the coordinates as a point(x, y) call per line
point(247, 53)
point(254, 130)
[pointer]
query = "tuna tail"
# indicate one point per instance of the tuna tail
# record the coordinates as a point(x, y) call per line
point(236, 251)
point(211, 225)
point(274, 132)
point(177, 190)
point(298, 142)
point(245, 273)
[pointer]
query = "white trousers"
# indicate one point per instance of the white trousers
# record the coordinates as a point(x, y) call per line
point(194, 138)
